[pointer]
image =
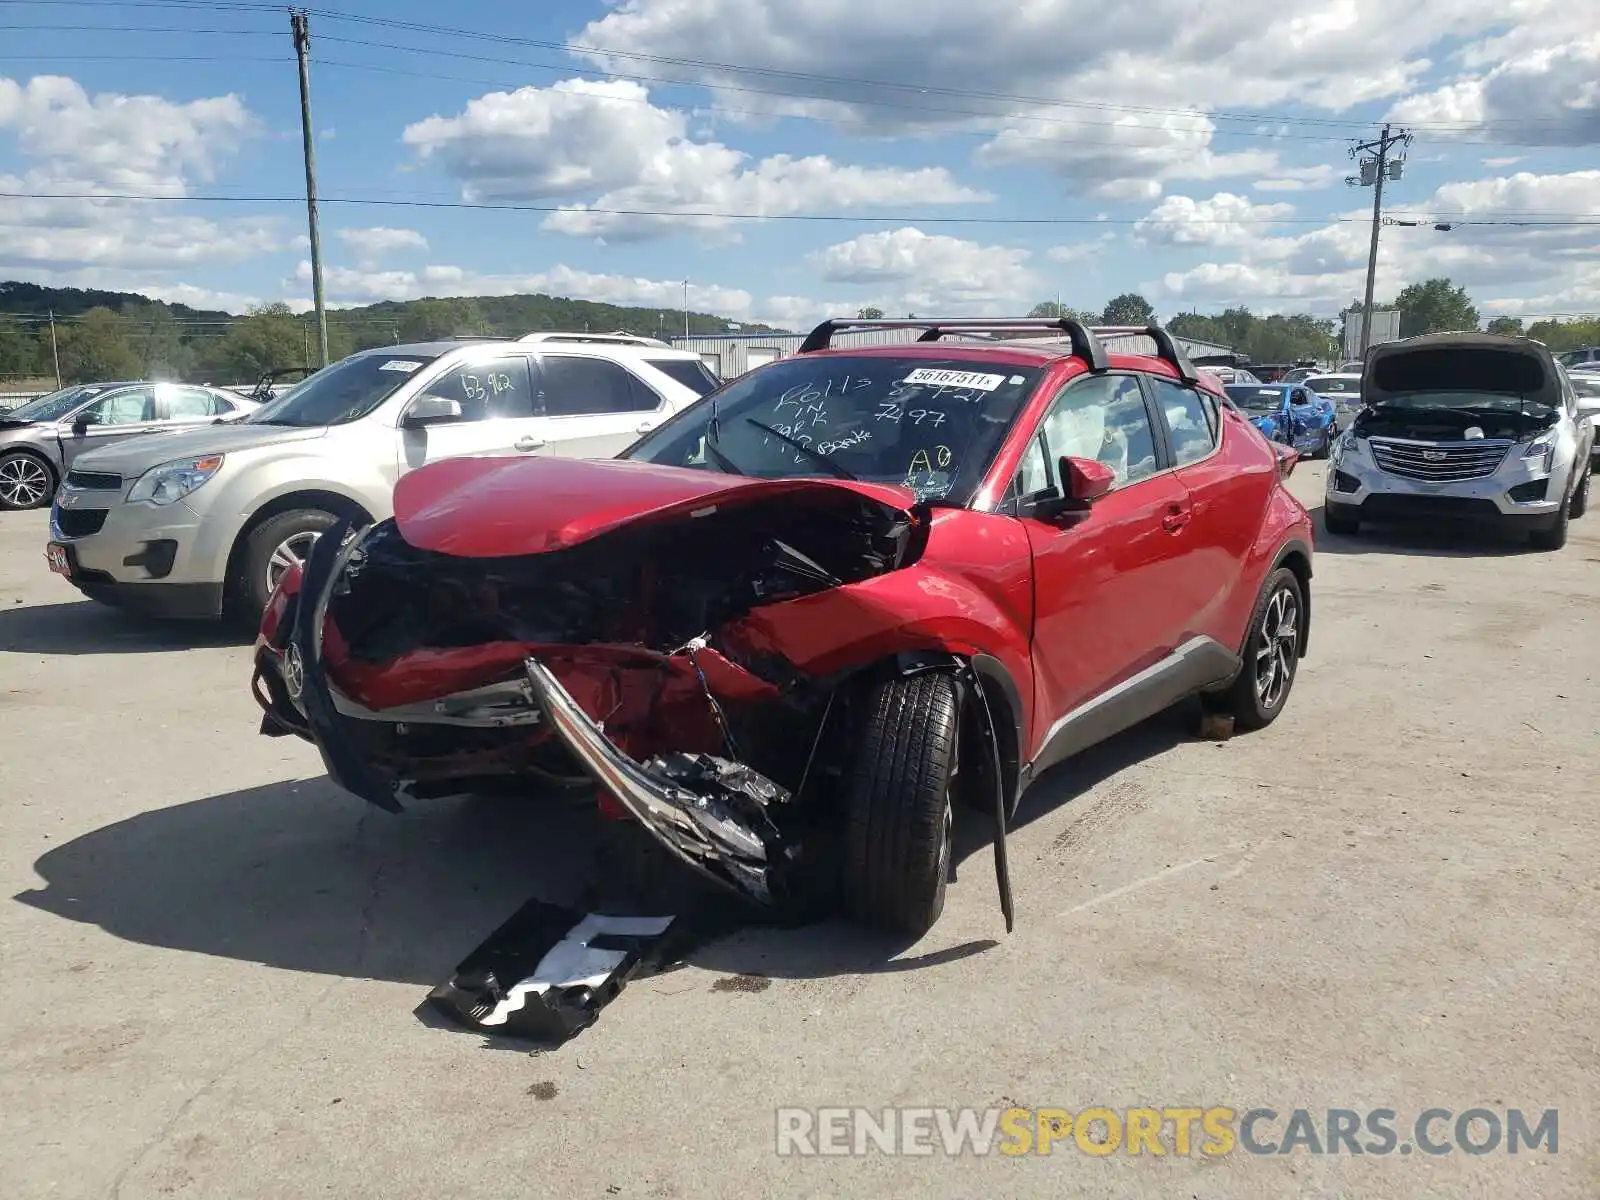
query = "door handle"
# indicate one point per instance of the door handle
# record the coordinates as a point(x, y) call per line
point(529, 443)
point(646, 426)
point(1175, 519)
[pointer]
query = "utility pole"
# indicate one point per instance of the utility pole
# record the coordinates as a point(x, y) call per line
point(55, 354)
point(685, 308)
point(1376, 165)
point(300, 27)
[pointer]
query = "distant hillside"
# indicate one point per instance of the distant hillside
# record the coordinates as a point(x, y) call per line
point(505, 315)
point(32, 299)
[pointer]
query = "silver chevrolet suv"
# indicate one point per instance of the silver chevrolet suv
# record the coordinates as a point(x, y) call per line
point(184, 524)
point(1469, 426)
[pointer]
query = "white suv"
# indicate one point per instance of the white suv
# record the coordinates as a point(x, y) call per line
point(178, 524)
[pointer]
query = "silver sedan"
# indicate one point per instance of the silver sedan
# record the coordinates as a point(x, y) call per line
point(40, 440)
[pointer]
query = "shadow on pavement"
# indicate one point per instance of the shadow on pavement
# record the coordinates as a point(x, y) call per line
point(1422, 541)
point(84, 627)
point(303, 877)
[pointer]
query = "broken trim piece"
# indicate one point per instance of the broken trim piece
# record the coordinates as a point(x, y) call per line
point(699, 830)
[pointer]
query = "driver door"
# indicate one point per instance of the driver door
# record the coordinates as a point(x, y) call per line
point(113, 417)
point(496, 398)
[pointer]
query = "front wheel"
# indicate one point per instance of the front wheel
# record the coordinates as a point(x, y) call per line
point(1580, 494)
point(1271, 653)
point(899, 817)
point(1338, 523)
point(274, 547)
point(26, 481)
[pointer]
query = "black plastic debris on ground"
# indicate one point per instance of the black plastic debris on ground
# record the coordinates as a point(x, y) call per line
point(545, 974)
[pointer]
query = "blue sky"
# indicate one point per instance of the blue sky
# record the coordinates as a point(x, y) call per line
point(1196, 157)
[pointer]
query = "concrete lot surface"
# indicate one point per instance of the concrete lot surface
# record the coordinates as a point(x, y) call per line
point(212, 958)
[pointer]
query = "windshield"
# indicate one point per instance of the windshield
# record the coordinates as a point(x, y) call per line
point(931, 424)
point(1327, 385)
point(1573, 357)
point(52, 407)
point(1257, 399)
point(690, 372)
point(344, 392)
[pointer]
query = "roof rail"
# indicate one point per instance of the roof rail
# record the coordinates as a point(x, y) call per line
point(477, 337)
point(610, 339)
point(1167, 347)
point(1084, 343)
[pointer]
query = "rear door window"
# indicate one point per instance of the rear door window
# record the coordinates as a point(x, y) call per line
point(690, 372)
point(1191, 419)
point(575, 386)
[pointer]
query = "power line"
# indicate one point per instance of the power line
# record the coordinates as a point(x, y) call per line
point(1552, 220)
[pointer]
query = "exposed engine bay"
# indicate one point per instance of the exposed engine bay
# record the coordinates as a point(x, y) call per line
point(622, 664)
point(1430, 424)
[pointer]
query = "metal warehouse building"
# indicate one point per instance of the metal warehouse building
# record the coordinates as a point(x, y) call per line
point(732, 354)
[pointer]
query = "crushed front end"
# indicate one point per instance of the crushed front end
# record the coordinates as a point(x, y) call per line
point(622, 663)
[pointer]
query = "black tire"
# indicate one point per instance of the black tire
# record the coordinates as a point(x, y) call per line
point(898, 814)
point(1555, 536)
point(1580, 494)
point(25, 463)
point(251, 587)
point(1338, 523)
point(1252, 706)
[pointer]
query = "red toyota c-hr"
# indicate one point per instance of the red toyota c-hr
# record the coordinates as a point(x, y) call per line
point(793, 626)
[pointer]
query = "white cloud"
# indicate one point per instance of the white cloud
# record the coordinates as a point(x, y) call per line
point(370, 245)
point(113, 142)
point(1223, 220)
point(1325, 267)
point(1300, 179)
point(603, 145)
point(1074, 85)
point(1079, 251)
point(931, 272)
point(72, 142)
point(1544, 94)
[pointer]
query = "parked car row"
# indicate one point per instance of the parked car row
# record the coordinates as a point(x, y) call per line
point(194, 522)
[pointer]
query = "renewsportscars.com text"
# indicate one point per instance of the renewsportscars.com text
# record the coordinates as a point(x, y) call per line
point(1177, 1131)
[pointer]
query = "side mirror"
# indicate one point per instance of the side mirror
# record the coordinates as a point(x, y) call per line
point(80, 425)
point(429, 410)
point(1287, 457)
point(1083, 481)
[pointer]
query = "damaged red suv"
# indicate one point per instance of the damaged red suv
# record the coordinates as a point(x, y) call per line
point(793, 628)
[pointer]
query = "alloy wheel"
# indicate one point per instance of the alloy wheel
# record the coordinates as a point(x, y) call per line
point(1277, 639)
point(291, 552)
point(24, 483)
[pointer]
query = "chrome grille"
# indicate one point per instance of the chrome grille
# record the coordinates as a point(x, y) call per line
point(1439, 462)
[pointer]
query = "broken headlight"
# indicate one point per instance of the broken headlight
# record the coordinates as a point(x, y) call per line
point(174, 480)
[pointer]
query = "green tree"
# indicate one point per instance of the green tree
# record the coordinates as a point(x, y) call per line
point(1509, 326)
point(1567, 335)
point(96, 347)
point(870, 313)
point(19, 351)
point(1054, 309)
point(1435, 306)
point(426, 320)
point(269, 338)
point(1130, 308)
point(158, 340)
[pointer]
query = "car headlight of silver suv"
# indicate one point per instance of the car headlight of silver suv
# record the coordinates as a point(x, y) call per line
point(172, 481)
point(1542, 447)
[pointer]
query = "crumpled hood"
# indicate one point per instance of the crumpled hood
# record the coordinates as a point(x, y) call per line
point(494, 507)
point(137, 455)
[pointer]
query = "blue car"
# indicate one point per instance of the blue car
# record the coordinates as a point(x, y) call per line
point(1287, 413)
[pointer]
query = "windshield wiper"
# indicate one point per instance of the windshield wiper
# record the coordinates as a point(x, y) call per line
point(816, 456)
point(722, 460)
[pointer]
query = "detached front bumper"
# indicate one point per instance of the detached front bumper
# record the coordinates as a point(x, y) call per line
point(712, 814)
